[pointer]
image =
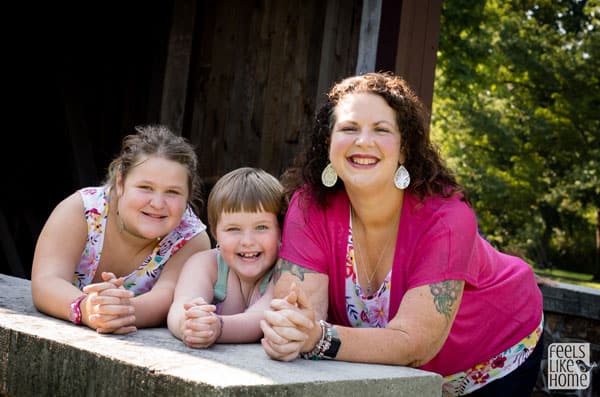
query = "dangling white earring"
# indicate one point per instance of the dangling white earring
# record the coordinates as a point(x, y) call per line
point(329, 176)
point(401, 178)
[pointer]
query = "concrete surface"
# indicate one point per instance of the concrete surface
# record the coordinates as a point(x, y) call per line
point(44, 356)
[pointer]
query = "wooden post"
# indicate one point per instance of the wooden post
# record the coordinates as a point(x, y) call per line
point(410, 29)
point(177, 67)
point(369, 34)
point(417, 45)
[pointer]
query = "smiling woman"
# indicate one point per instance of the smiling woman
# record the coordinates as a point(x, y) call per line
point(381, 260)
point(114, 268)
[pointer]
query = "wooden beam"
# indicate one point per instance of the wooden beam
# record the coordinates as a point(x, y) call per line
point(369, 34)
point(177, 67)
point(418, 41)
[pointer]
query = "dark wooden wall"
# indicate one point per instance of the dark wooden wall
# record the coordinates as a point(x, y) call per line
point(240, 79)
point(253, 77)
point(78, 77)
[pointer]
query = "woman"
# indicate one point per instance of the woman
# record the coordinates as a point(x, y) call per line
point(380, 240)
point(109, 257)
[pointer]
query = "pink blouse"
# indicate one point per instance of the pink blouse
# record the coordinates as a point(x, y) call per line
point(437, 240)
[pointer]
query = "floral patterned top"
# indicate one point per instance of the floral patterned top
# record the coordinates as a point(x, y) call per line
point(141, 280)
point(363, 310)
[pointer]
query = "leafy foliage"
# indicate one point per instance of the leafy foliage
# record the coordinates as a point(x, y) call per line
point(516, 114)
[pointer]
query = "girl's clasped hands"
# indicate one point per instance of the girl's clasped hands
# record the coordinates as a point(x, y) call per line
point(202, 326)
point(108, 307)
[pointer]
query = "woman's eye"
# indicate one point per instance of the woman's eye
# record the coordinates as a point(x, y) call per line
point(347, 128)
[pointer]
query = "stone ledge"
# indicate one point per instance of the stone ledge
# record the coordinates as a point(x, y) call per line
point(44, 356)
point(572, 299)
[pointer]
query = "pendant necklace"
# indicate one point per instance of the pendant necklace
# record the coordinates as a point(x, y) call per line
point(370, 278)
point(247, 300)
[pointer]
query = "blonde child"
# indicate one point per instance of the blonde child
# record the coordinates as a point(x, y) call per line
point(221, 293)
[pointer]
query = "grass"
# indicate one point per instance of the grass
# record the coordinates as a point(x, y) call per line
point(565, 276)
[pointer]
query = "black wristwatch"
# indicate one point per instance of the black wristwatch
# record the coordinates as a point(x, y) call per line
point(332, 336)
point(327, 347)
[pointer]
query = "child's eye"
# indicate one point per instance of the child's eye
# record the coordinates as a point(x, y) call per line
point(262, 227)
point(232, 229)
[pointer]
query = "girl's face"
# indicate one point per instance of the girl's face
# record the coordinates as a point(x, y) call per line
point(153, 197)
point(249, 242)
point(365, 142)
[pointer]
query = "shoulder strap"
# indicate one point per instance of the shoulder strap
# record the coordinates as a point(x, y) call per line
point(265, 282)
point(220, 291)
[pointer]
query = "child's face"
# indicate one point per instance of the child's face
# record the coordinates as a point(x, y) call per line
point(153, 197)
point(249, 242)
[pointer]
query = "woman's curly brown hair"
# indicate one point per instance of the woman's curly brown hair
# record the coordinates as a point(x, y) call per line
point(429, 175)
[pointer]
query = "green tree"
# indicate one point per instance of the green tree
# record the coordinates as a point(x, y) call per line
point(516, 114)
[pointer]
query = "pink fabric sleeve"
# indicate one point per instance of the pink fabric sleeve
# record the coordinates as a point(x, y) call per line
point(304, 241)
point(444, 247)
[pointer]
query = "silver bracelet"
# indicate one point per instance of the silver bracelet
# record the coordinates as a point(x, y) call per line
point(318, 352)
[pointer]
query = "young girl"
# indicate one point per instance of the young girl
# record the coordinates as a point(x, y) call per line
point(139, 226)
point(222, 293)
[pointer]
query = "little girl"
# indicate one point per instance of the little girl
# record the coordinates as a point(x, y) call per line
point(221, 293)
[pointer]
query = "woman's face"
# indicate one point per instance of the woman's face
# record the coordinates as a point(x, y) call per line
point(365, 142)
point(153, 197)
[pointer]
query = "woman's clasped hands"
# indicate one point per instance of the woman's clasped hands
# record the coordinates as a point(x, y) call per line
point(108, 307)
point(289, 327)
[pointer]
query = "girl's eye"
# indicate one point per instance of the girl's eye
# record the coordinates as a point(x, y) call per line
point(232, 229)
point(262, 227)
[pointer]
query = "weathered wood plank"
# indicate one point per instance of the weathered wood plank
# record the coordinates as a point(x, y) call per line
point(253, 86)
point(179, 54)
point(417, 45)
point(369, 34)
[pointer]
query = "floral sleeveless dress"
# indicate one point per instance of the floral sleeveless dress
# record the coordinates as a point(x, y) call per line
point(141, 280)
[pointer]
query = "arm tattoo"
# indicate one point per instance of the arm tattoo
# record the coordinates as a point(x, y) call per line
point(287, 266)
point(445, 294)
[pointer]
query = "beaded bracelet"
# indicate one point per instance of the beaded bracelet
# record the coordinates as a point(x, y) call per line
point(220, 328)
point(75, 309)
point(318, 352)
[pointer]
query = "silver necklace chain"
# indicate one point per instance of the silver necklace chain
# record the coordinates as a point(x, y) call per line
point(359, 251)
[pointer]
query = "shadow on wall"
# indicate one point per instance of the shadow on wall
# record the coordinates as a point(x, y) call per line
point(81, 77)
